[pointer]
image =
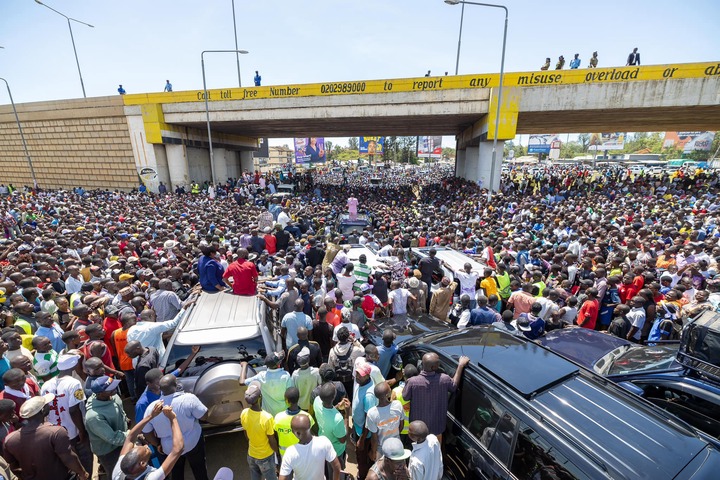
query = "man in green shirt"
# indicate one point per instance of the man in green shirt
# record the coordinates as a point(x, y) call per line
point(362, 272)
point(285, 435)
point(105, 421)
point(331, 423)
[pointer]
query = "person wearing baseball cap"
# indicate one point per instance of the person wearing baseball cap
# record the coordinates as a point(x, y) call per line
point(391, 465)
point(259, 426)
point(41, 450)
point(105, 421)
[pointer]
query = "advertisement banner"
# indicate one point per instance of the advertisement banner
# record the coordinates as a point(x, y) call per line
point(372, 145)
point(148, 176)
point(541, 143)
point(430, 147)
point(689, 141)
point(310, 150)
point(263, 150)
point(607, 141)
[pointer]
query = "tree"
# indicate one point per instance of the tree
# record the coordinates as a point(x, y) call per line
point(353, 143)
point(391, 149)
point(448, 152)
point(329, 150)
point(584, 141)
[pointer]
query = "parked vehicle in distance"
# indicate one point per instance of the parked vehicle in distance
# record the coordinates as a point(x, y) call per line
point(344, 225)
point(524, 412)
point(229, 329)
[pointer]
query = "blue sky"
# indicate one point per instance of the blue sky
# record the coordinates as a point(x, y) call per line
point(141, 43)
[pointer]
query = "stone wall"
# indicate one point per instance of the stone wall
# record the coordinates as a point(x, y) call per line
point(81, 142)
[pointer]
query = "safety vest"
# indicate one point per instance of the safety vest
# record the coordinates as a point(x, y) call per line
point(397, 394)
point(120, 342)
point(195, 188)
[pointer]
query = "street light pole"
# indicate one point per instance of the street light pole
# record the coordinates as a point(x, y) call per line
point(500, 88)
point(237, 53)
point(207, 105)
point(22, 135)
point(72, 38)
point(457, 61)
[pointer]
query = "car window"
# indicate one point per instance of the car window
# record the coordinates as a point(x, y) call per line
point(534, 457)
point(698, 412)
point(247, 350)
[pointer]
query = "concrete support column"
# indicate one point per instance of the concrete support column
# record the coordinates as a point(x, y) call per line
point(178, 168)
point(246, 160)
point(478, 164)
point(460, 163)
point(220, 164)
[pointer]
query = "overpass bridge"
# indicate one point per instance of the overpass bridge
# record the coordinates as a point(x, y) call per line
point(165, 133)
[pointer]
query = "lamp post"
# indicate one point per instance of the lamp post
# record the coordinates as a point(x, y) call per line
point(72, 38)
point(237, 52)
point(207, 105)
point(457, 60)
point(22, 135)
point(500, 89)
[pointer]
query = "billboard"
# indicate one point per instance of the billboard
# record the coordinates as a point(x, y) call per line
point(689, 141)
point(541, 143)
point(372, 145)
point(310, 150)
point(429, 147)
point(263, 150)
point(607, 141)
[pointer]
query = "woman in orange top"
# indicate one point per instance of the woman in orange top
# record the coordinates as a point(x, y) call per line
point(119, 339)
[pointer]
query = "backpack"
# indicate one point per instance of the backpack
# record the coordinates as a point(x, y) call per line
point(344, 369)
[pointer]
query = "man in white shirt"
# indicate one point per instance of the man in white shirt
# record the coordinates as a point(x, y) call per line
point(468, 281)
point(426, 459)
point(306, 459)
point(398, 299)
point(189, 411)
point(75, 281)
point(149, 332)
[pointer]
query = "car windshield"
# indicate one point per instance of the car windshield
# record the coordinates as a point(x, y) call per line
point(247, 350)
point(643, 359)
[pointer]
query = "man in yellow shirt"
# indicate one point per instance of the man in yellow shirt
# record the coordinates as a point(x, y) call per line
point(260, 431)
point(489, 284)
point(283, 420)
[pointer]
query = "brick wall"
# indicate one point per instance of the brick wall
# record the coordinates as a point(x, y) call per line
point(83, 142)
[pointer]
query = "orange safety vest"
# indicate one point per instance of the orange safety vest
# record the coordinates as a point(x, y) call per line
point(120, 342)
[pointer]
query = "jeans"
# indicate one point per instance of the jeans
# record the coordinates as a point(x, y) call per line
point(84, 453)
point(262, 468)
point(130, 382)
point(196, 458)
point(109, 460)
point(362, 455)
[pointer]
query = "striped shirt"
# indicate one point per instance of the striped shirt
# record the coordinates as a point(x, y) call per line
point(362, 273)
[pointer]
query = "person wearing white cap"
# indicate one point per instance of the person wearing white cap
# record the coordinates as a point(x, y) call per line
point(105, 421)
point(68, 407)
point(391, 466)
point(306, 459)
point(40, 450)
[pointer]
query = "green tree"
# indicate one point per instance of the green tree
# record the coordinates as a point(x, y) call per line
point(392, 149)
point(584, 141)
point(448, 152)
point(329, 150)
point(353, 143)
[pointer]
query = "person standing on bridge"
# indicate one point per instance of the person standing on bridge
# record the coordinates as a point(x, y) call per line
point(560, 63)
point(257, 79)
point(633, 58)
point(546, 65)
point(168, 86)
point(593, 60)
point(575, 62)
point(121, 90)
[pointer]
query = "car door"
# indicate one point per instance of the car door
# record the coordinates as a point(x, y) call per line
point(471, 414)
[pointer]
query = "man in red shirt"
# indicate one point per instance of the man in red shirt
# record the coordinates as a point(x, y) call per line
point(270, 241)
point(628, 289)
point(244, 274)
point(587, 316)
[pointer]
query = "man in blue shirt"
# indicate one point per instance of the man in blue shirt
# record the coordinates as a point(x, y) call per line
point(168, 86)
point(257, 79)
point(386, 351)
point(531, 324)
point(121, 90)
point(483, 315)
point(575, 62)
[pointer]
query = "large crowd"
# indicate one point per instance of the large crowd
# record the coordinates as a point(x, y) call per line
point(92, 284)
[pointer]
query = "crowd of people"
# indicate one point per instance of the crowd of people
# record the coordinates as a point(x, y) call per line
point(93, 282)
point(632, 60)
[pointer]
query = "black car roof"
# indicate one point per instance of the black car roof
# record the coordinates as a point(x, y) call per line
point(631, 438)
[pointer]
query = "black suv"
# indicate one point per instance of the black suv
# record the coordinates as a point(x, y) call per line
point(525, 412)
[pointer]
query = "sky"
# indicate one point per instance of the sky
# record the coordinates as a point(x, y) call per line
point(141, 43)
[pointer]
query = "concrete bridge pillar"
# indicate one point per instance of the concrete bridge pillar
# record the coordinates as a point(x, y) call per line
point(460, 163)
point(478, 164)
point(247, 162)
point(220, 164)
point(177, 164)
